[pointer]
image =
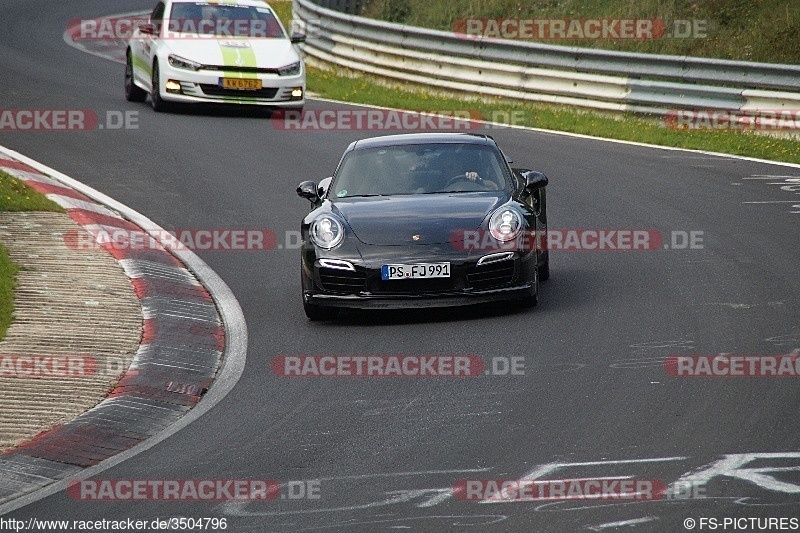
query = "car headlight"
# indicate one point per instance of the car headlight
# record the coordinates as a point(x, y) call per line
point(186, 64)
point(290, 70)
point(505, 224)
point(326, 232)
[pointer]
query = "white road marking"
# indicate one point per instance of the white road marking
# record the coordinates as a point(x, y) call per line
point(458, 520)
point(664, 344)
point(549, 468)
point(431, 497)
point(401, 474)
point(623, 523)
point(733, 465)
point(789, 184)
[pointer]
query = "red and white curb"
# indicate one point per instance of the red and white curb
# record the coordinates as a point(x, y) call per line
point(184, 348)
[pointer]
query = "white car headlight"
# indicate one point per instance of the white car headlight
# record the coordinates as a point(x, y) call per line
point(186, 64)
point(326, 232)
point(505, 224)
point(290, 70)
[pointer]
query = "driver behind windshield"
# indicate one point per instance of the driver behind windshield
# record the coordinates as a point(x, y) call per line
point(412, 169)
point(471, 165)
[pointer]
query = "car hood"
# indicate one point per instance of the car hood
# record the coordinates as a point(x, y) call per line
point(433, 219)
point(261, 53)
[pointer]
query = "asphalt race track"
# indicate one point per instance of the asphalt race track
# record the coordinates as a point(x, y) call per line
point(595, 400)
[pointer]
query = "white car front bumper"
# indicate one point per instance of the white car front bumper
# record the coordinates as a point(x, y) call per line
point(180, 85)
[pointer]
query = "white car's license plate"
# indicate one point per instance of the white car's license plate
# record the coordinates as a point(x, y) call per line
point(241, 84)
point(416, 271)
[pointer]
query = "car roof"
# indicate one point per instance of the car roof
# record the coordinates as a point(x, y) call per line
point(254, 3)
point(421, 138)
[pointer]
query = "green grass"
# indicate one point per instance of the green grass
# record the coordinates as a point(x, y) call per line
point(15, 196)
point(747, 30)
point(358, 88)
point(284, 12)
point(8, 272)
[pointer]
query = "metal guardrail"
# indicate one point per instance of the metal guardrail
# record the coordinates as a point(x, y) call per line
point(608, 80)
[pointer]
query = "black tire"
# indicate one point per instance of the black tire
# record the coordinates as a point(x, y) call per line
point(133, 93)
point(317, 313)
point(544, 268)
point(532, 298)
point(158, 104)
point(529, 301)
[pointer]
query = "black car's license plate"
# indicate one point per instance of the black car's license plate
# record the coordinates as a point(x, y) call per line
point(416, 271)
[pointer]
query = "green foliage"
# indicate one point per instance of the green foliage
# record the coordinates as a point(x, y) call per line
point(749, 30)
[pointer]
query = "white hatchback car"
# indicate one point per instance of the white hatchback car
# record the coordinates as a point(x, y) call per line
point(234, 52)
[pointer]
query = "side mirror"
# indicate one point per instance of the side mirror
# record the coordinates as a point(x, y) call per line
point(297, 37)
point(534, 180)
point(308, 190)
point(322, 188)
point(147, 29)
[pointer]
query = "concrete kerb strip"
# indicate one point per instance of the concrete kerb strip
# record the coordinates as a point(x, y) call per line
point(211, 342)
point(77, 326)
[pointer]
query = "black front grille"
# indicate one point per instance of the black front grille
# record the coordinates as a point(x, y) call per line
point(492, 275)
point(215, 90)
point(344, 281)
point(416, 286)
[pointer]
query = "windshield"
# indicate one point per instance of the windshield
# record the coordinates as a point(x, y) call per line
point(419, 169)
point(224, 20)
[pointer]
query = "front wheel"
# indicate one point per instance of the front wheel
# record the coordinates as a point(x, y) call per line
point(156, 101)
point(529, 301)
point(544, 268)
point(132, 91)
point(532, 297)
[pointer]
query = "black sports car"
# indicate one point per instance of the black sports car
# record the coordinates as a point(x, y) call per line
point(423, 220)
